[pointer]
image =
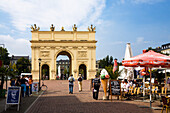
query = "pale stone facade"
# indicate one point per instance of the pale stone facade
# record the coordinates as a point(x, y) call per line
point(79, 46)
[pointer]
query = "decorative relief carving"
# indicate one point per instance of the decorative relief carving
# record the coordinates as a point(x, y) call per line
point(92, 47)
point(75, 47)
point(82, 53)
point(45, 53)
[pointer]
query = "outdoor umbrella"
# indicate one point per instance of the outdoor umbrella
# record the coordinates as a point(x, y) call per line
point(148, 59)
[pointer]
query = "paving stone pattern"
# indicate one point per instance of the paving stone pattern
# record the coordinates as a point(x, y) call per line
point(58, 100)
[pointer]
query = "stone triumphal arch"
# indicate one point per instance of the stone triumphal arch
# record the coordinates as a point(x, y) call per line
point(79, 46)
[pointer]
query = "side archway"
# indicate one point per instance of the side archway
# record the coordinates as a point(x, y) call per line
point(45, 72)
point(83, 71)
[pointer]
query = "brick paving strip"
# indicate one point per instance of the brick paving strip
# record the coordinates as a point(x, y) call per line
point(57, 100)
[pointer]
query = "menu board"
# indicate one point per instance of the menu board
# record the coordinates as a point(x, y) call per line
point(115, 87)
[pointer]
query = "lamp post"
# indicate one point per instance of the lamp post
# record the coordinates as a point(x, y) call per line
point(39, 60)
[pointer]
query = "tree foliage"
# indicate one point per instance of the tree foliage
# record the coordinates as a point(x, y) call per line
point(106, 61)
point(4, 56)
point(5, 61)
point(23, 65)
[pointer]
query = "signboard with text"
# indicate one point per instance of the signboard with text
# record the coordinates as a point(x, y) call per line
point(13, 96)
point(115, 88)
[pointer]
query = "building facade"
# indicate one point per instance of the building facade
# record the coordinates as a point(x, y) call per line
point(165, 48)
point(14, 59)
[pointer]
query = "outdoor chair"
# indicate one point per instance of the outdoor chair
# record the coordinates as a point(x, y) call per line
point(138, 91)
point(166, 103)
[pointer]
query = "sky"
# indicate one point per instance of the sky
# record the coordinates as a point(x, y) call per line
point(143, 23)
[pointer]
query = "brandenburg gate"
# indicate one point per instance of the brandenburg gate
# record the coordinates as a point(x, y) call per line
point(79, 46)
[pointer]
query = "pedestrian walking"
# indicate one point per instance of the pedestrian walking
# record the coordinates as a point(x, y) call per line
point(71, 84)
point(80, 82)
point(96, 85)
point(30, 85)
point(23, 86)
point(27, 88)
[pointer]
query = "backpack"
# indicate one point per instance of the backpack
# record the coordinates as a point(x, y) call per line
point(96, 82)
point(79, 79)
point(71, 79)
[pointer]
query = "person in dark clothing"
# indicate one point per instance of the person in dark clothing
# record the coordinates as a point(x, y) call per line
point(23, 86)
point(18, 82)
point(96, 86)
point(12, 81)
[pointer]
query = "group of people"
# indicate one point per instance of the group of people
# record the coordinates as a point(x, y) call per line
point(95, 82)
point(25, 83)
point(71, 83)
point(125, 85)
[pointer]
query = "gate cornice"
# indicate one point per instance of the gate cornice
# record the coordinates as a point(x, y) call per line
point(62, 41)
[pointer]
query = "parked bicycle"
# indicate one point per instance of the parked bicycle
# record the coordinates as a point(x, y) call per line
point(43, 87)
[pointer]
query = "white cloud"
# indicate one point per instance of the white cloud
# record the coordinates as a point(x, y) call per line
point(59, 12)
point(140, 40)
point(16, 46)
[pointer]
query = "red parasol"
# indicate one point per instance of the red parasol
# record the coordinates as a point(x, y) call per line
point(149, 59)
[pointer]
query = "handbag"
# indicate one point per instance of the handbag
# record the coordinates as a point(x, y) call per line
point(95, 90)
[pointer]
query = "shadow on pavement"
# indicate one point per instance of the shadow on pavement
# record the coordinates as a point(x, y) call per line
point(71, 104)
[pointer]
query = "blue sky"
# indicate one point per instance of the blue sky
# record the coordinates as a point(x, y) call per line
point(143, 23)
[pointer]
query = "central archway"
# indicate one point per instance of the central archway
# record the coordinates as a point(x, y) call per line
point(63, 66)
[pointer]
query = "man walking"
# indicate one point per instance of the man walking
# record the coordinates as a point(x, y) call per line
point(80, 82)
point(71, 80)
point(96, 84)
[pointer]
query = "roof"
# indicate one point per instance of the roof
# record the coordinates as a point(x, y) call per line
point(18, 57)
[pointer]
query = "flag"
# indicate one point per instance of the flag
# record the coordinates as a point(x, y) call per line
point(115, 65)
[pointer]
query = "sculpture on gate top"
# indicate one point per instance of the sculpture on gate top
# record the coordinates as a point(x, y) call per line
point(74, 28)
point(34, 28)
point(62, 29)
point(91, 28)
point(52, 28)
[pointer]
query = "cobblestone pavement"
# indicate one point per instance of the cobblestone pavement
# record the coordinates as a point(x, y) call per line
point(57, 100)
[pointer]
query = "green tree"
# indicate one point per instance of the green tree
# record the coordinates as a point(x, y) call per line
point(5, 61)
point(4, 56)
point(110, 72)
point(2, 74)
point(23, 65)
point(65, 71)
point(106, 61)
point(14, 67)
